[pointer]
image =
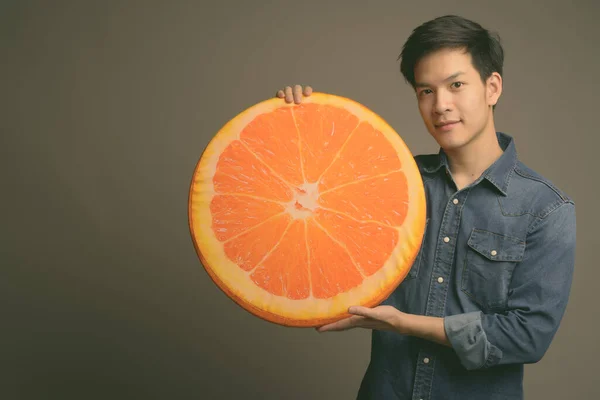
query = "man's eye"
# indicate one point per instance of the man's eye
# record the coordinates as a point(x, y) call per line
point(425, 91)
point(457, 84)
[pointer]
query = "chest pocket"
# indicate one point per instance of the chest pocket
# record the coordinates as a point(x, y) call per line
point(488, 267)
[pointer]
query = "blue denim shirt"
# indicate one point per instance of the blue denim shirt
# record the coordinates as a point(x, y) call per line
point(496, 263)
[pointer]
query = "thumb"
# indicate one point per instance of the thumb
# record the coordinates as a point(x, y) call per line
point(359, 310)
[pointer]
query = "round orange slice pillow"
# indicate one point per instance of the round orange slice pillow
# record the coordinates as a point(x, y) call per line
point(298, 211)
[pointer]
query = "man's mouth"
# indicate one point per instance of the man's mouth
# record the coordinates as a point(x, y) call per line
point(446, 125)
point(442, 123)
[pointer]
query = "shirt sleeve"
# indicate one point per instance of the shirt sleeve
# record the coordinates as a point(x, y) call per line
point(538, 296)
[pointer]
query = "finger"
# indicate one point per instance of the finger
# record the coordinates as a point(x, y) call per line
point(335, 327)
point(289, 97)
point(297, 94)
point(308, 91)
point(280, 94)
point(345, 324)
point(363, 311)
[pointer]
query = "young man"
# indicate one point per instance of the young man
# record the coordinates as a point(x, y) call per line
point(492, 279)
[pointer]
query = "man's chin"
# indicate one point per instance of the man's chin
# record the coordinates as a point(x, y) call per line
point(449, 141)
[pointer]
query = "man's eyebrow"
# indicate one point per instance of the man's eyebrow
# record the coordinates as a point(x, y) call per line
point(453, 76)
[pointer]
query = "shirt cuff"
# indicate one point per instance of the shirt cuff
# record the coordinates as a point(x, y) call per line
point(469, 341)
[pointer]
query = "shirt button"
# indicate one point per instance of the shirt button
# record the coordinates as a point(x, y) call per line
point(494, 252)
point(446, 239)
point(426, 360)
point(455, 201)
point(441, 280)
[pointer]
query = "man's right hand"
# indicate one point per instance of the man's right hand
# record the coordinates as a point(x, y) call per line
point(294, 94)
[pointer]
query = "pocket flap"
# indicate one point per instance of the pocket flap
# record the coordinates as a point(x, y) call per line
point(495, 246)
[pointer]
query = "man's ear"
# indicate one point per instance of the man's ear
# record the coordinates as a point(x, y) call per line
point(493, 88)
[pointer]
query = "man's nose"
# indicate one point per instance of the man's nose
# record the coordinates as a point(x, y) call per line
point(443, 102)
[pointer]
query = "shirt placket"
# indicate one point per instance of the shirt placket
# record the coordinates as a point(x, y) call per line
point(436, 300)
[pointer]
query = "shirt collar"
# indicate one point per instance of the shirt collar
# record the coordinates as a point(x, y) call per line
point(498, 173)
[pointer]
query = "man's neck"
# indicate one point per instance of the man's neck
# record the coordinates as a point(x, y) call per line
point(469, 162)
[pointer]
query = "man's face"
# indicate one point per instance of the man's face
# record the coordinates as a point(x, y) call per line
point(453, 101)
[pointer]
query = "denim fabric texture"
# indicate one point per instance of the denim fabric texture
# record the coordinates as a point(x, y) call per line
point(496, 263)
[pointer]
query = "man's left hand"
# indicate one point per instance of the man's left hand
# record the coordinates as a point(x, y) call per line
point(383, 318)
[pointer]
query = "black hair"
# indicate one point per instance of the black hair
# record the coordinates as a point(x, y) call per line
point(453, 32)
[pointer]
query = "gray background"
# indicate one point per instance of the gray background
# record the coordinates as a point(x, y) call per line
point(105, 110)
